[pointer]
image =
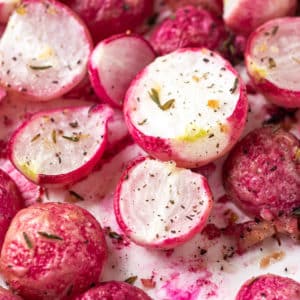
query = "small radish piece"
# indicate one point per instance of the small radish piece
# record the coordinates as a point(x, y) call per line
point(44, 50)
point(244, 16)
point(273, 61)
point(269, 287)
point(7, 295)
point(53, 251)
point(115, 62)
point(191, 27)
point(189, 106)
point(107, 17)
point(6, 9)
point(60, 146)
point(10, 203)
point(114, 290)
point(161, 206)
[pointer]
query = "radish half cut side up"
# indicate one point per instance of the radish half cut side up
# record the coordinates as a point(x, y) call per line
point(189, 106)
point(161, 206)
point(44, 50)
point(115, 62)
point(60, 146)
point(244, 16)
point(273, 60)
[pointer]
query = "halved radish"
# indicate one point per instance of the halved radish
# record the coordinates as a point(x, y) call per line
point(189, 106)
point(60, 146)
point(115, 62)
point(44, 50)
point(244, 16)
point(6, 9)
point(273, 60)
point(159, 205)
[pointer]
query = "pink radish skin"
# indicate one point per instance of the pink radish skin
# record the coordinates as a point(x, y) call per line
point(244, 16)
point(6, 9)
point(107, 17)
point(158, 205)
point(114, 290)
point(37, 50)
point(269, 287)
point(193, 130)
point(60, 146)
point(53, 251)
point(10, 203)
point(272, 66)
point(115, 62)
point(7, 295)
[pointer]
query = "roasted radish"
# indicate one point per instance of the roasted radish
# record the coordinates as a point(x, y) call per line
point(262, 173)
point(10, 203)
point(44, 50)
point(6, 9)
point(7, 295)
point(189, 106)
point(269, 287)
point(60, 146)
point(161, 206)
point(114, 290)
point(115, 62)
point(107, 17)
point(273, 61)
point(52, 251)
point(244, 16)
point(191, 27)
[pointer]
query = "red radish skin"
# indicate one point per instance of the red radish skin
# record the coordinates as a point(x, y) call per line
point(214, 6)
point(272, 66)
point(115, 62)
point(6, 9)
point(191, 130)
point(107, 17)
point(191, 27)
point(62, 145)
point(114, 290)
point(158, 205)
point(244, 16)
point(53, 251)
point(44, 50)
point(7, 295)
point(10, 203)
point(262, 173)
point(269, 287)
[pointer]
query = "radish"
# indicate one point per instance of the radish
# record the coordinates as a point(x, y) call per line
point(115, 62)
point(60, 146)
point(244, 16)
point(7, 295)
point(273, 61)
point(159, 205)
point(189, 106)
point(107, 17)
point(6, 9)
point(269, 287)
point(44, 50)
point(53, 251)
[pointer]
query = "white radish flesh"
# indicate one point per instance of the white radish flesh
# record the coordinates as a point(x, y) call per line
point(115, 62)
point(188, 106)
point(160, 205)
point(44, 50)
point(60, 146)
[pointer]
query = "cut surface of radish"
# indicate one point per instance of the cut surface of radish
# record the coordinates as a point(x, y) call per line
point(44, 50)
point(115, 62)
point(273, 60)
point(244, 16)
point(160, 205)
point(60, 146)
point(189, 106)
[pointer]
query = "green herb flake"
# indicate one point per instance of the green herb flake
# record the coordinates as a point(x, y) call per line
point(131, 280)
point(49, 236)
point(272, 63)
point(54, 136)
point(73, 138)
point(154, 95)
point(115, 236)
point(142, 122)
point(79, 197)
point(296, 212)
point(274, 30)
point(235, 85)
point(27, 240)
point(36, 137)
point(74, 124)
point(39, 68)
